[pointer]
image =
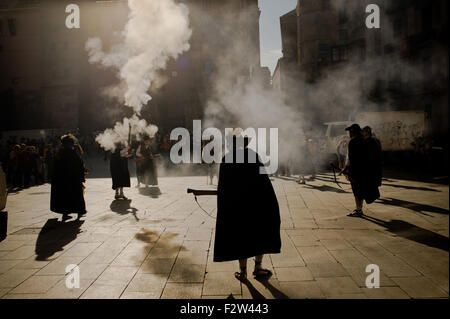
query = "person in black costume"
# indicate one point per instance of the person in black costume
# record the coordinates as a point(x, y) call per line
point(146, 163)
point(360, 170)
point(118, 166)
point(67, 180)
point(248, 217)
point(375, 153)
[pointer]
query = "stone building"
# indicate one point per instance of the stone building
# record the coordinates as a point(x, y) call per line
point(47, 81)
point(403, 65)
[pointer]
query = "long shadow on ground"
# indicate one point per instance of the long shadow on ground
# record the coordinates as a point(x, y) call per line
point(123, 207)
point(420, 208)
point(55, 235)
point(412, 232)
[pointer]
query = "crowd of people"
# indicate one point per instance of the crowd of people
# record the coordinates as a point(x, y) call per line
point(26, 162)
point(258, 231)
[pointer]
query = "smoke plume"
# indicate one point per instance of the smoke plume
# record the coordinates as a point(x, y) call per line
point(121, 132)
point(156, 31)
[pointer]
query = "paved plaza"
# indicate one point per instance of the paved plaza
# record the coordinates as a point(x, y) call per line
point(160, 244)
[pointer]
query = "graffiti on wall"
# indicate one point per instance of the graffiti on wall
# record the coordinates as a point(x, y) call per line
point(397, 135)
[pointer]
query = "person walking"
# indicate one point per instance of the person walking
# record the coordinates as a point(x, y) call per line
point(248, 216)
point(68, 176)
point(359, 171)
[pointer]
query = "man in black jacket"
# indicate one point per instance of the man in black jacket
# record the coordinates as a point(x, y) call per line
point(361, 170)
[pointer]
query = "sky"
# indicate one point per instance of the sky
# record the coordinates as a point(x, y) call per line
point(271, 10)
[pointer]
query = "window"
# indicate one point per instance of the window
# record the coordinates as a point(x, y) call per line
point(12, 27)
point(343, 16)
point(377, 43)
point(427, 19)
point(335, 54)
point(208, 68)
point(324, 52)
point(206, 4)
point(325, 4)
point(343, 53)
point(397, 28)
point(362, 51)
point(337, 130)
point(343, 35)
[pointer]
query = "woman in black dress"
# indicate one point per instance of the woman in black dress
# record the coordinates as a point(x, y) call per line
point(119, 170)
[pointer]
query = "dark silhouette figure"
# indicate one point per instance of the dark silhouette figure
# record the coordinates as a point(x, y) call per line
point(119, 170)
point(55, 235)
point(67, 180)
point(412, 232)
point(123, 207)
point(248, 217)
point(363, 169)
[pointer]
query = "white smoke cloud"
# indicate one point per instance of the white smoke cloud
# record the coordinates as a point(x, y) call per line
point(156, 31)
point(120, 133)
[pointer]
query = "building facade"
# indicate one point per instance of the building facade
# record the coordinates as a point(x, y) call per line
point(47, 81)
point(403, 65)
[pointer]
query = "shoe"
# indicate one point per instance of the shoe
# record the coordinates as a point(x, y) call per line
point(242, 275)
point(356, 213)
point(117, 197)
point(123, 197)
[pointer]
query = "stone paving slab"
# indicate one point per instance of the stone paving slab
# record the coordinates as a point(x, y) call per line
point(161, 246)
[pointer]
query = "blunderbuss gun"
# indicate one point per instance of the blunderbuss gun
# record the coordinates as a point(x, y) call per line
point(344, 172)
point(197, 192)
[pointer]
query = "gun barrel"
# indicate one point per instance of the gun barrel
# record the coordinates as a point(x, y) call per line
point(197, 192)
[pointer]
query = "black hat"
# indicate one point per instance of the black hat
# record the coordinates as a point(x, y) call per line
point(354, 127)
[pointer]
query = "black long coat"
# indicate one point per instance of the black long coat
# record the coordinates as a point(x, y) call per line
point(248, 216)
point(364, 170)
point(118, 167)
point(67, 183)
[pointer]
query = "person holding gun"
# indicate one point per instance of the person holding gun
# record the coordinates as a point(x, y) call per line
point(360, 170)
point(248, 217)
point(119, 169)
